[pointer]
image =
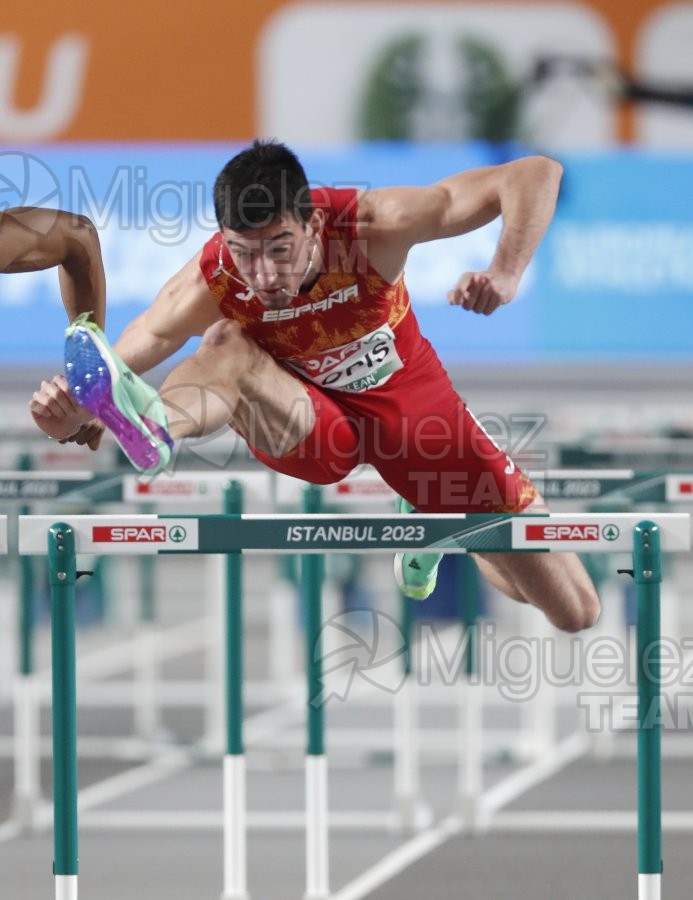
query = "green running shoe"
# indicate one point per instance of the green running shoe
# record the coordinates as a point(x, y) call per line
point(415, 573)
point(101, 382)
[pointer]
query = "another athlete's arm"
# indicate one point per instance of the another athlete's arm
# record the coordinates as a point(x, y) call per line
point(32, 239)
point(523, 192)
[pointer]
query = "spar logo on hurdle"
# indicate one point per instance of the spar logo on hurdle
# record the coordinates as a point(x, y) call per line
point(586, 532)
point(572, 532)
point(129, 534)
point(562, 532)
point(137, 534)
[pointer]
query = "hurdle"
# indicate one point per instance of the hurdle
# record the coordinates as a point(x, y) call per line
point(184, 489)
point(597, 487)
point(645, 536)
point(22, 487)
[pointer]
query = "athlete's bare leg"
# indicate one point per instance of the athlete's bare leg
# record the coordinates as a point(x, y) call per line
point(556, 583)
point(229, 379)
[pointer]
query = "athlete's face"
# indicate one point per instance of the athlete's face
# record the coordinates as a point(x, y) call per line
point(276, 259)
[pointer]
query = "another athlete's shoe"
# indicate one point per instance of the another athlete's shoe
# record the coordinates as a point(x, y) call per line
point(101, 382)
point(415, 573)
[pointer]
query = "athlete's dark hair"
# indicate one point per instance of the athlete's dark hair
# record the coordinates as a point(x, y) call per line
point(262, 183)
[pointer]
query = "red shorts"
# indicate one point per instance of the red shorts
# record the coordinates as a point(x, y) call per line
point(419, 435)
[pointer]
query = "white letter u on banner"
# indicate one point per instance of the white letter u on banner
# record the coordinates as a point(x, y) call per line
point(63, 84)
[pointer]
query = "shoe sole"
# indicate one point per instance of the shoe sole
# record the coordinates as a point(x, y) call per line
point(93, 379)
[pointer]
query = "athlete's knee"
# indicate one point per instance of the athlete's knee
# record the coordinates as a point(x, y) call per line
point(581, 612)
point(225, 344)
point(223, 334)
point(591, 608)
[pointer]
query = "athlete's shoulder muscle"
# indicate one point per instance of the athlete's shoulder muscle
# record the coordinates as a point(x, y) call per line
point(389, 222)
point(184, 305)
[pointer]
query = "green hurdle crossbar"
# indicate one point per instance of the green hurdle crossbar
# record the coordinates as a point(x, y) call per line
point(314, 533)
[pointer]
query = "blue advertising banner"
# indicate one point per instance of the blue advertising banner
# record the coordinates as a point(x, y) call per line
point(612, 281)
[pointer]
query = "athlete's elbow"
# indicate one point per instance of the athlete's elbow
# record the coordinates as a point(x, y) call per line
point(84, 230)
point(80, 240)
point(548, 171)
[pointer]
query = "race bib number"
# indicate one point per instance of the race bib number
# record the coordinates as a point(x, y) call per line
point(358, 366)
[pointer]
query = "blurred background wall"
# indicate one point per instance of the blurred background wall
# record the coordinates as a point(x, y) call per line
point(212, 70)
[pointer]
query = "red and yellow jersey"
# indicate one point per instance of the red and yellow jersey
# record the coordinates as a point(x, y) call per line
point(349, 332)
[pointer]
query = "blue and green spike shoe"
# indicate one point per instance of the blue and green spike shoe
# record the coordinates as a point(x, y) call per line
point(101, 382)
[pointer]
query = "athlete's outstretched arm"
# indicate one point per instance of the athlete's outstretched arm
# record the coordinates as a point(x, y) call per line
point(33, 239)
point(183, 308)
point(523, 192)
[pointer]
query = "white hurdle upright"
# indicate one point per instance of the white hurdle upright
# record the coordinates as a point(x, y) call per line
point(646, 536)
